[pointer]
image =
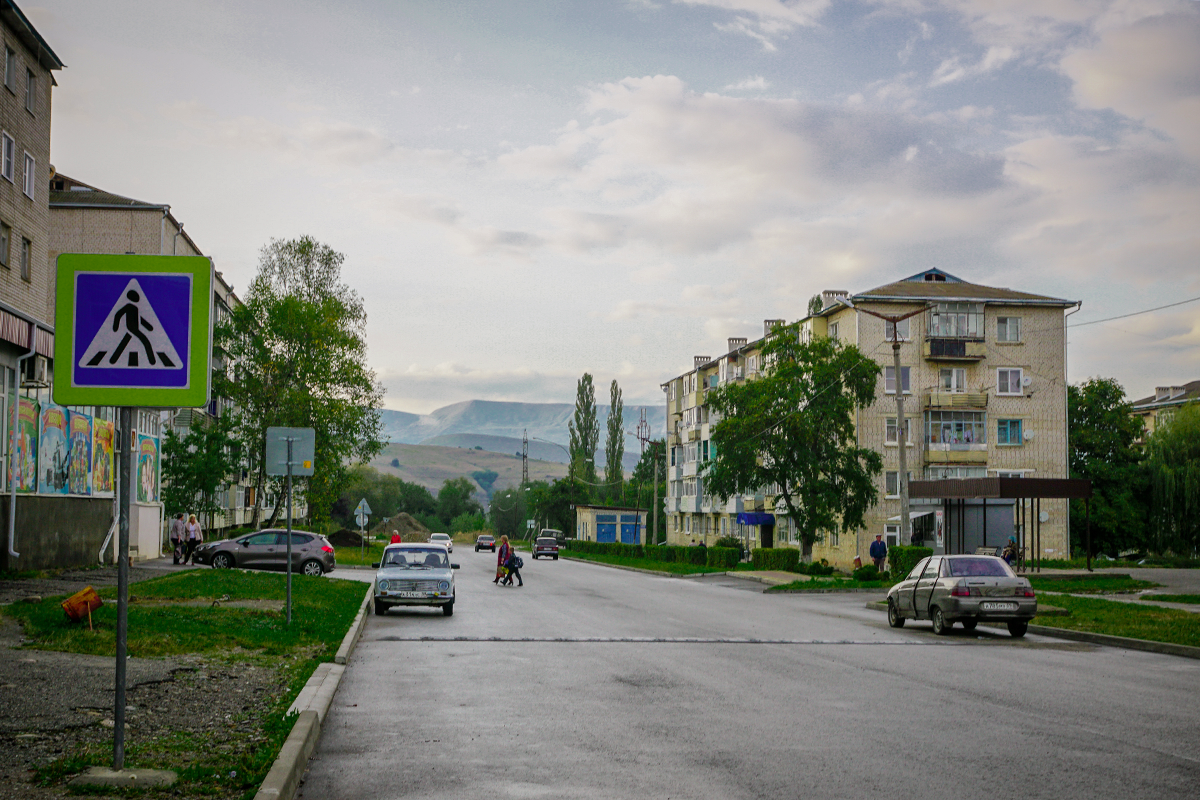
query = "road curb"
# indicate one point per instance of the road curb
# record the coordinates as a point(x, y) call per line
point(850, 590)
point(639, 569)
point(1144, 645)
point(313, 703)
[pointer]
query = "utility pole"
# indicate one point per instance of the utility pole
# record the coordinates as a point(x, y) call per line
point(901, 438)
point(525, 458)
point(643, 435)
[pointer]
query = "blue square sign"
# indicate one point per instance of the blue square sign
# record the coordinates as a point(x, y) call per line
point(133, 330)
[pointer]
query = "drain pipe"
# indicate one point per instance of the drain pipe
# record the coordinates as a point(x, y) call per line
point(12, 447)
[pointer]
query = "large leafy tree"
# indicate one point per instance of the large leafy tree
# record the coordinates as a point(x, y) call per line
point(652, 468)
point(1103, 445)
point(296, 353)
point(584, 432)
point(387, 495)
point(455, 498)
point(793, 429)
point(1173, 468)
point(508, 512)
point(196, 466)
point(614, 444)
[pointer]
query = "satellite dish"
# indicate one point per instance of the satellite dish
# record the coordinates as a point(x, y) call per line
point(1026, 381)
point(1044, 516)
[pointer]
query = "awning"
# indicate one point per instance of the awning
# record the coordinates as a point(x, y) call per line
point(912, 515)
point(755, 518)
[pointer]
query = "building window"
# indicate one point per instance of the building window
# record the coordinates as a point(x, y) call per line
point(26, 259)
point(1008, 381)
point(891, 482)
point(1008, 329)
point(891, 535)
point(834, 538)
point(9, 155)
point(833, 331)
point(889, 330)
point(30, 174)
point(1008, 431)
point(949, 473)
point(10, 69)
point(5, 245)
point(893, 430)
point(956, 428)
point(30, 91)
point(889, 379)
point(956, 321)
point(954, 379)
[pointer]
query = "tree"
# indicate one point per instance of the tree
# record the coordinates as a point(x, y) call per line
point(196, 466)
point(815, 304)
point(644, 476)
point(1103, 447)
point(614, 444)
point(508, 512)
point(386, 494)
point(295, 355)
point(584, 432)
point(794, 429)
point(1173, 467)
point(455, 498)
point(486, 478)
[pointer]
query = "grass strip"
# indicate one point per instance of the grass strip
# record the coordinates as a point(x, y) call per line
point(1173, 598)
point(817, 586)
point(1099, 584)
point(673, 567)
point(1115, 618)
point(359, 556)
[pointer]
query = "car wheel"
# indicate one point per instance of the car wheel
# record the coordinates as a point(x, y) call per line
point(380, 609)
point(970, 624)
point(313, 568)
point(448, 609)
point(941, 626)
point(556, 558)
point(1017, 628)
point(894, 618)
point(222, 561)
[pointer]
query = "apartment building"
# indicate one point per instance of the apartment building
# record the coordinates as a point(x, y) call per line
point(983, 373)
point(1162, 405)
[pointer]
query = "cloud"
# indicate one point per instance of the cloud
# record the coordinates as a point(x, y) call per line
point(765, 20)
point(953, 69)
point(757, 83)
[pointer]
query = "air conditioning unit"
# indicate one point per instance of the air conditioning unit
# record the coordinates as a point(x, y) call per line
point(37, 372)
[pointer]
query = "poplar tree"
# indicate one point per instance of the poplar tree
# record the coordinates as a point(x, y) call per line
point(584, 432)
point(614, 445)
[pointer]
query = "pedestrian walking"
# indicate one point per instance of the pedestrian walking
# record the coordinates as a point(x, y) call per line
point(879, 551)
point(194, 536)
point(514, 565)
point(176, 536)
point(503, 554)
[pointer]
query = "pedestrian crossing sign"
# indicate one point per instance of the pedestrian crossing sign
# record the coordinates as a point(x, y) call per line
point(133, 330)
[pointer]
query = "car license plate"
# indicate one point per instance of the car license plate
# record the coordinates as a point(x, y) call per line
point(998, 606)
point(412, 594)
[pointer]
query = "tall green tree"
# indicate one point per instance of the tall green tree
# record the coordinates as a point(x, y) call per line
point(1103, 442)
point(196, 466)
point(652, 468)
point(614, 444)
point(296, 355)
point(508, 512)
point(1173, 468)
point(794, 429)
point(387, 495)
point(455, 498)
point(815, 304)
point(584, 432)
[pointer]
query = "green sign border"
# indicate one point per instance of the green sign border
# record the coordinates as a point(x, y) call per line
point(196, 395)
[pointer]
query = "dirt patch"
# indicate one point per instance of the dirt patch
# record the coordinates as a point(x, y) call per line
point(70, 581)
point(406, 524)
point(345, 538)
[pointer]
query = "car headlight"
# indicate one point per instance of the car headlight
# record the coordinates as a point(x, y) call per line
point(383, 585)
point(444, 585)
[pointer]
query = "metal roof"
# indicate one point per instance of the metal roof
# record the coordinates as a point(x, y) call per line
point(1000, 488)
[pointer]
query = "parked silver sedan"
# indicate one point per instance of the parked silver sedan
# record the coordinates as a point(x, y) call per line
point(415, 575)
point(966, 589)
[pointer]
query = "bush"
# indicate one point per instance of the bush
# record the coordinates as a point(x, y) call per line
point(724, 557)
point(867, 573)
point(780, 558)
point(902, 559)
point(467, 523)
point(815, 568)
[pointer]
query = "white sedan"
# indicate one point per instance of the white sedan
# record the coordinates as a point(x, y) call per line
point(415, 575)
point(442, 538)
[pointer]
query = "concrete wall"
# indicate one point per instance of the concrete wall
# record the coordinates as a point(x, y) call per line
point(56, 531)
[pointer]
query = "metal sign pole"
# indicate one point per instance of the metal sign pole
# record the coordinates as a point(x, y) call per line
point(289, 530)
point(126, 484)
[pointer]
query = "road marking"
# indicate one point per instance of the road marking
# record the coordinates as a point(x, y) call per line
point(649, 640)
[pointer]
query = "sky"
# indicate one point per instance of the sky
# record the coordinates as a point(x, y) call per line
point(525, 191)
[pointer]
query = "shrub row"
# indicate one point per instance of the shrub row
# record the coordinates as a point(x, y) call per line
point(722, 557)
point(814, 568)
point(902, 559)
point(870, 573)
point(779, 558)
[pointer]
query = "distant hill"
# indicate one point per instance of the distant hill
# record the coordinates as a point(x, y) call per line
point(430, 466)
point(494, 425)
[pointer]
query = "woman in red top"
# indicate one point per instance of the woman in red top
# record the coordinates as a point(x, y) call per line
point(503, 554)
point(396, 539)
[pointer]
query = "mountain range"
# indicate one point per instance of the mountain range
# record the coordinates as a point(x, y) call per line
point(499, 426)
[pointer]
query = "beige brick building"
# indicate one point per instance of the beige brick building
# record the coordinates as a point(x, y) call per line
point(983, 373)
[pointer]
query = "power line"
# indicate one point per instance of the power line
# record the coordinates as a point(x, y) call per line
point(1134, 314)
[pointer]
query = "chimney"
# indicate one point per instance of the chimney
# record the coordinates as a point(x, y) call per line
point(831, 296)
point(735, 342)
point(700, 361)
point(771, 324)
point(1168, 393)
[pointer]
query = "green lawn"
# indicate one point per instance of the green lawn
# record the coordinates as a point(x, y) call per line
point(1115, 618)
point(1173, 598)
point(358, 556)
point(818, 585)
point(1098, 584)
point(643, 563)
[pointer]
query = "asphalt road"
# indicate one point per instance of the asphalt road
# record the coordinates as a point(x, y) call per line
point(592, 682)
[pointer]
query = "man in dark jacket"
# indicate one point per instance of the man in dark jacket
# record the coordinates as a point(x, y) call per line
point(878, 551)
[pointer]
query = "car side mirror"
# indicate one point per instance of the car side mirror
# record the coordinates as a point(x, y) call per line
point(375, 565)
point(243, 542)
point(454, 566)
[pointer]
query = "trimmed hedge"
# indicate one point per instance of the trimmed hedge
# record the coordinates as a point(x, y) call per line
point(902, 559)
point(723, 557)
point(779, 558)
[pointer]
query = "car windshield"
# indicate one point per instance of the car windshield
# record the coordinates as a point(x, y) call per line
point(416, 558)
point(978, 567)
point(439, 537)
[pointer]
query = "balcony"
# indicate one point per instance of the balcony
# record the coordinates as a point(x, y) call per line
point(956, 400)
point(690, 504)
point(956, 454)
point(938, 349)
